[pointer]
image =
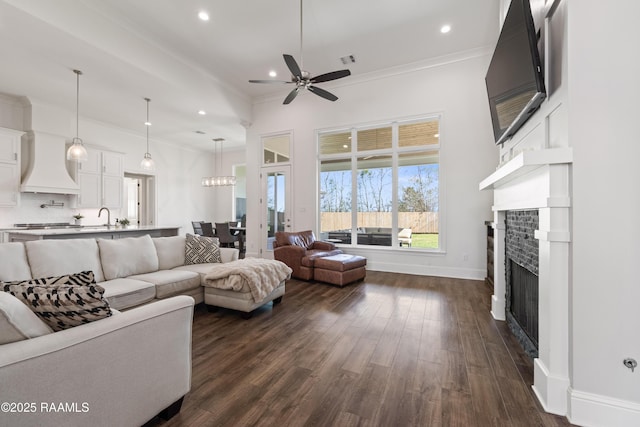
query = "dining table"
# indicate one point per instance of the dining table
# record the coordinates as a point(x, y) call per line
point(241, 232)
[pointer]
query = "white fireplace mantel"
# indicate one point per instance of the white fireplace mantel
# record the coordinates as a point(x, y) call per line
point(540, 179)
point(524, 163)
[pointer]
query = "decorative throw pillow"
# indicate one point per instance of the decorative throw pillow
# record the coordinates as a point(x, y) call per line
point(201, 250)
point(17, 322)
point(63, 302)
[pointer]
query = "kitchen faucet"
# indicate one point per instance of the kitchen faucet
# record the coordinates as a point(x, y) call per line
point(108, 216)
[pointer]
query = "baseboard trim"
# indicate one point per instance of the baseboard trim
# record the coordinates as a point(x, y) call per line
point(427, 270)
point(588, 409)
point(551, 390)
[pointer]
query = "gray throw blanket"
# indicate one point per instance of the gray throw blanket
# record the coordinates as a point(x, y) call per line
point(261, 275)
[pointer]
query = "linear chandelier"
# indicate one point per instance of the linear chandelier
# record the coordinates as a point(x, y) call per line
point(218, 180)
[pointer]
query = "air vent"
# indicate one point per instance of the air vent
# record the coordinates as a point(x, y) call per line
point(199, 132)
point(349, 59)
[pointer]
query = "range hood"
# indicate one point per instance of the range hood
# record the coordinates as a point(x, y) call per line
point(46, 170)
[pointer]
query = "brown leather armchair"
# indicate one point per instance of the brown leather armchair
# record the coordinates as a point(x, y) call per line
point(299, 250)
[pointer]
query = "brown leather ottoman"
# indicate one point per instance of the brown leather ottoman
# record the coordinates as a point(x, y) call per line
point(340, 269)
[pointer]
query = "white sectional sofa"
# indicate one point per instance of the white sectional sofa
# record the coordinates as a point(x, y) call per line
point(121, 370)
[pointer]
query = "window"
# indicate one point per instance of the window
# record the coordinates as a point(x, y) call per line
point(276, 149)
point(379, 186)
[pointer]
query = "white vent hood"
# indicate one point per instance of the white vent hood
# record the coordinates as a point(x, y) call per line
point(46, 171)
point(44, 153)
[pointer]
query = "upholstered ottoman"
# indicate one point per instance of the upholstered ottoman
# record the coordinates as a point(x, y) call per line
point(340, 269)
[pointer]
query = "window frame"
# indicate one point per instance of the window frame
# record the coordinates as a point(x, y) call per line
point(395, 151)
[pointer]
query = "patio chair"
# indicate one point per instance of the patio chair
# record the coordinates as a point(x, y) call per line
point(404, 236)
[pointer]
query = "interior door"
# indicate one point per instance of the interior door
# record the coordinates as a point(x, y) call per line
point(276, 205)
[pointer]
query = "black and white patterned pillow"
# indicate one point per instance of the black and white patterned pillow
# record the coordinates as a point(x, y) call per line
point(201, 250)
point(62, 302)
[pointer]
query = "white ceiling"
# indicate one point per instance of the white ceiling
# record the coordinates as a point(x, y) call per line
point(132, 49)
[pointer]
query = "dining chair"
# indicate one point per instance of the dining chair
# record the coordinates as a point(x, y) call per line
point(207, 229)
point(224, 235)
point(197, 227)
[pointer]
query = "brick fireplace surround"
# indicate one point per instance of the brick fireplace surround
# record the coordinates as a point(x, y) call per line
point(540, 180)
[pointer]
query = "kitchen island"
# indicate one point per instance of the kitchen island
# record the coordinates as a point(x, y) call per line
point(88, 232)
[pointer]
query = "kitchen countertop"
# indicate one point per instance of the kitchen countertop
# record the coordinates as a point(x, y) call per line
point(102, 232)
point(89, 230)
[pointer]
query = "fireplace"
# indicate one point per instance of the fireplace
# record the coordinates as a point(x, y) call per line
point(521, 276)
point(537, 180)
point(522, 307)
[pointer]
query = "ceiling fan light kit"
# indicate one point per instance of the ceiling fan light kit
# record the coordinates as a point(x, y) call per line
point(302, 79)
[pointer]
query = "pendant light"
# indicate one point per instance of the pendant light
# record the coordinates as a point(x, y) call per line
point(77, 151)
point(147, 162)
point(217, 180)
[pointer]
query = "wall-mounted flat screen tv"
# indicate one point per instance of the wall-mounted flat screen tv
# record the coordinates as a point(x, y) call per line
point(515, 81)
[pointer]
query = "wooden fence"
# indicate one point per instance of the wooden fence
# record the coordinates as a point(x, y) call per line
point(418, 222)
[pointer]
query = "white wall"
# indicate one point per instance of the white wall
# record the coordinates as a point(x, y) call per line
point(604, 89)
point(451, 86)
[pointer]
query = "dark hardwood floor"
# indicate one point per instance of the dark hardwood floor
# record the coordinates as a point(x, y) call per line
point(393, 350)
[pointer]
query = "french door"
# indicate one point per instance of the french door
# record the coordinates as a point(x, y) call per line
point(275, 205)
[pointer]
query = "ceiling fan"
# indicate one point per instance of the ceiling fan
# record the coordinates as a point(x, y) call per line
point(303, 79)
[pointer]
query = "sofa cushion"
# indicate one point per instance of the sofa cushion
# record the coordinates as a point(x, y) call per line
point(54, 257)
point(170, 282)
point(312, 255)
point(14, 262)
point(126, 293)
point(201, 250)
point(128, 256)
point(170, 251)
point(63, 302)
point(17, 321)
point(201, 269)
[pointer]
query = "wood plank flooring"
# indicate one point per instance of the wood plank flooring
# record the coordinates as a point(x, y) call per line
point(393, 350)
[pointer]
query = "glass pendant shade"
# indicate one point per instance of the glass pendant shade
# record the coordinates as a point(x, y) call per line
point(77, 151)
point(147, 163)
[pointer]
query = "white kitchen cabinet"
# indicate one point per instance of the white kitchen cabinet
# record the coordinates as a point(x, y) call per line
point(100, 178)
point(10, 167)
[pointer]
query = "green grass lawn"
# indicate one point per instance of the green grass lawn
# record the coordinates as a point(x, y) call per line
point(424, 240)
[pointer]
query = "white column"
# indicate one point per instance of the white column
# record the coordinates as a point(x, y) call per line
point(498, 304)
point(551, 368)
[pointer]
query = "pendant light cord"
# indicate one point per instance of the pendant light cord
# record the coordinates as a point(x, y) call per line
point(78, 73)
point(301, 57)
point(147, 124)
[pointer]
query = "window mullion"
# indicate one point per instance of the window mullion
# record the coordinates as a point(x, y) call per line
point(354, 186)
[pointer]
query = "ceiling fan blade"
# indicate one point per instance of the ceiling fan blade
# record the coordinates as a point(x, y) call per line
point(323, 93)
point(291, 95)
point(293, 66)
point(331, 76)
point(269, 81)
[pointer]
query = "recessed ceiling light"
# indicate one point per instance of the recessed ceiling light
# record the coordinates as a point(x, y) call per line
point(272, 73)
point(445, 29)
point(345, 146)
point(437, 135)
point(202, 112)
point(204, 16)
point(147, 123)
